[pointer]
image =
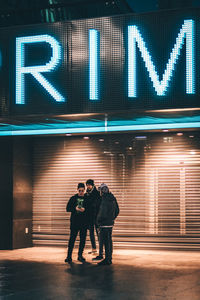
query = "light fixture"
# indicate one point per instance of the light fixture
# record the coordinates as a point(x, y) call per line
point(192, 152)
point(141, 137)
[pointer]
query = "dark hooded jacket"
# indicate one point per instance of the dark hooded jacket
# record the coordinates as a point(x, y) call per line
point(108, 211)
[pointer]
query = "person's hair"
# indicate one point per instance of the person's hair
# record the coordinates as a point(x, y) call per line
point(81, 185)
point(90, 182)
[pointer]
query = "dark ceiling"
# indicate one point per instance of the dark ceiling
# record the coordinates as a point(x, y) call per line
point(19, 12)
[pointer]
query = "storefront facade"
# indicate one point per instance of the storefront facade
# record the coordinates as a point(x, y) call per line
point(155, 178)
point(115, 99)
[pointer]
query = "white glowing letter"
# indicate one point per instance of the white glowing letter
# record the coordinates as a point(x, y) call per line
point(36, 71)
point(93, 64)
point(134, 36)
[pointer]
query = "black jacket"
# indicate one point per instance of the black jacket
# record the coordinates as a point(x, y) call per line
point(93, 199)
point(78, 219)
point(108, 211)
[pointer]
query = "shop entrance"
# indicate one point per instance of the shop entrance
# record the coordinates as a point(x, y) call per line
point(155, 178)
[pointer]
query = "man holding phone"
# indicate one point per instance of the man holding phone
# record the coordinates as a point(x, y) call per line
point(77, 205)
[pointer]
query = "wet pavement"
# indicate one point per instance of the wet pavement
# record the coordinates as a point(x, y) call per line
point(40, 273)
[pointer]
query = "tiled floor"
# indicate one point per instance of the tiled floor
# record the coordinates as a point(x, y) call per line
point(40, 273)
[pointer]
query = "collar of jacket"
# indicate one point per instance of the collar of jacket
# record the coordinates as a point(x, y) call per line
point(89, 192)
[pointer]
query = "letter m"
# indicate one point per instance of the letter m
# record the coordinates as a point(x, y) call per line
point(134, 37)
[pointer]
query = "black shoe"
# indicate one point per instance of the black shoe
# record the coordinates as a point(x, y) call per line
point(81, 259)
point(105, 262)
point(68, 260)
point(99, 257)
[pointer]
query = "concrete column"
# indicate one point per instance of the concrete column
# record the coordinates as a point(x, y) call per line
point(6, 198)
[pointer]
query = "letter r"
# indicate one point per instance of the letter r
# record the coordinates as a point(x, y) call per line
point(36, 71)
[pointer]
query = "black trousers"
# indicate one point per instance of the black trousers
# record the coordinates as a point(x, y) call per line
point(73, 234)
point(106, 239)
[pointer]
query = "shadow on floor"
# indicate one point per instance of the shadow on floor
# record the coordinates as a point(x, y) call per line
point(34, 280)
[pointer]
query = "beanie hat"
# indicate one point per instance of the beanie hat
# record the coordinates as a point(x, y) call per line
point(81, 185)
point(90, 182)
point(104, 188)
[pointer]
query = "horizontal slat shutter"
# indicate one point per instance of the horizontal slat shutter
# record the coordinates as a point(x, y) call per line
point(154, 178)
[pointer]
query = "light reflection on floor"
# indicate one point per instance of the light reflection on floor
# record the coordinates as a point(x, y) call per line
point(40, 273)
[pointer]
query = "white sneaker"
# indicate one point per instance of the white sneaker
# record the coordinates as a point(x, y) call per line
point(93, 251)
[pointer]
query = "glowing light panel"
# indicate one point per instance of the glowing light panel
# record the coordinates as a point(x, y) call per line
point(36, 71)
point(100, 129)
point(134, 36)
point(93, 65)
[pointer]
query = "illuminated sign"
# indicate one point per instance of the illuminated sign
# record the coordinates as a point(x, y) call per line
point(93, 61)
point(103, 64)
point(134, 36)
point(36, 71)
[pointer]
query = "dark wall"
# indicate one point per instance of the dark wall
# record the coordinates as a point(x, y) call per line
point(22, 193)
point(6, 193)
point(16, 193)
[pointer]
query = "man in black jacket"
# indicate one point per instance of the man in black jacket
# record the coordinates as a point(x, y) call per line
point(93, 200)
point(108, 212)
point(77, 205)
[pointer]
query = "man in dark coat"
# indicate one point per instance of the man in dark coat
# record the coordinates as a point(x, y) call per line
point(108, 212)
point(77, 205)
point(93, 200)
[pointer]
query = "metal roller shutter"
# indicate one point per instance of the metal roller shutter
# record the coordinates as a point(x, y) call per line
point(154, 177)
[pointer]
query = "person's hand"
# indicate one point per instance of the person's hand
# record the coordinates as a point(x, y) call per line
point(77, 208)
point(81, 209)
